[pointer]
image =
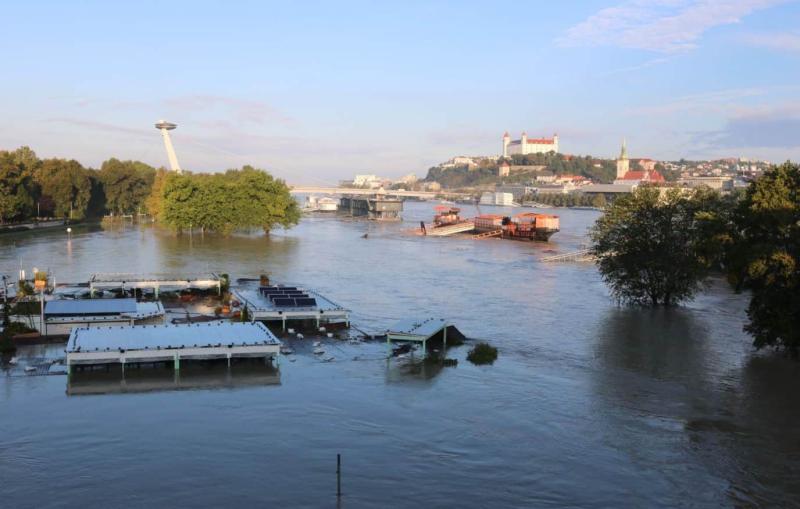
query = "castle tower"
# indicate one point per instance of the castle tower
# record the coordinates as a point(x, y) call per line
point(506, 141)
point(523, 143)
point(555, 143)
point(623, 165)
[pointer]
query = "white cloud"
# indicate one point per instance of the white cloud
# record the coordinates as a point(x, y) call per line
point(771, 132)
point(665, 26)
point(781, 41)
point(719, 101)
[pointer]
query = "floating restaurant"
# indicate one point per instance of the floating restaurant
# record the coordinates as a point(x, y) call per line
point(279, 303)
point(170, 344)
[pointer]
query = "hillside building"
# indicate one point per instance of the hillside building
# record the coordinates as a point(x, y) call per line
point(647, 174)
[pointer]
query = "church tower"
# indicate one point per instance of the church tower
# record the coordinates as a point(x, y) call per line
point(623, 165)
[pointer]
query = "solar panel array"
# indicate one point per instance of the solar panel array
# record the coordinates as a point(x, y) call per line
point(287, 297)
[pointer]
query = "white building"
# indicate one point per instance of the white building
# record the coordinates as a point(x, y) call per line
point(502, 199)
point(526, 145)
point(407, 179)
point(369, 181)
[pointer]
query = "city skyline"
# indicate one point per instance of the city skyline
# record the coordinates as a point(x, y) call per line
point(361, 88)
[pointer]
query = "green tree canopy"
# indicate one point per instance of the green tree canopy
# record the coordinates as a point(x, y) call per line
point(650, 247)
point(16, 189)
point(224, 202)
point(764, 257)
point(64, 185)
point(126, 185)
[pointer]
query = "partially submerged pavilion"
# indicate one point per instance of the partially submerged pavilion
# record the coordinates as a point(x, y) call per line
point(170, 344)
point(155, 282)
point(421, 331)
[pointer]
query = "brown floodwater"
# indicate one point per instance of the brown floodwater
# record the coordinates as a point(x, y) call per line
point(588, 405)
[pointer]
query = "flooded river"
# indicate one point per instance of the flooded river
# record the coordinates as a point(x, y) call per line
point(588, 405)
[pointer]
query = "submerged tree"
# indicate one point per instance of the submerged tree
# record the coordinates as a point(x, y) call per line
point(126, 184)
point(66, 185)
point(765, 257)
point(650, 246)
point(224, 202)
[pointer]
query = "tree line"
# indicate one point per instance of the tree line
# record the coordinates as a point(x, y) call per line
point(657, 247)
point(33, 188)
point(567, 200)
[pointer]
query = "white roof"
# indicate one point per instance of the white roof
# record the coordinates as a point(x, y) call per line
point(420, 327)
point(141, 337)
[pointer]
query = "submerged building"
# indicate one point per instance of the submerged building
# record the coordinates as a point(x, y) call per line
point(63, 315)
point(378, 208)
point(169, 344)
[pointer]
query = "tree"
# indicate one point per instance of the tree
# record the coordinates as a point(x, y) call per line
point(224, 202)
point(599, 201)
point(649, 249)
point(67, 185)
point(764, 257)
point(126, 184)
point(154, 203)
point(16, 189)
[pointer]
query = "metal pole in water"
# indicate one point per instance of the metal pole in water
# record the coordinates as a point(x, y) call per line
point(338, 475)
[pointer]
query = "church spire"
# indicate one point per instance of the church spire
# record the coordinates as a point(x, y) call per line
point(624, 153)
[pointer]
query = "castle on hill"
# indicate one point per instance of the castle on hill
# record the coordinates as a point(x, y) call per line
point(526, 145)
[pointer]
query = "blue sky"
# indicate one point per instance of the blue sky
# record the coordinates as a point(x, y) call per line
point(317, 91)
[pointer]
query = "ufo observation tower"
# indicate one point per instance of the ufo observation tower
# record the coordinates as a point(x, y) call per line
point(165, 127)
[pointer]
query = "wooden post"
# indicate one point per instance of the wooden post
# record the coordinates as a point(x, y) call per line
point(338, 475)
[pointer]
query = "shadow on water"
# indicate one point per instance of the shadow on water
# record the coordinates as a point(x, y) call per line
point(657, 344)
point(413, 370)
point(760, 441)
point(191, 376)
point(675, 399)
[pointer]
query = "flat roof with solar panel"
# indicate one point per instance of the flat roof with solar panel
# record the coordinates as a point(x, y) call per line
point(284, 302)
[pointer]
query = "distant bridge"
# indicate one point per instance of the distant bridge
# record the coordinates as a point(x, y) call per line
point(370, 192)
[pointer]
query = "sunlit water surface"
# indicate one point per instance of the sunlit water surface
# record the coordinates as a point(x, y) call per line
point(589, 404)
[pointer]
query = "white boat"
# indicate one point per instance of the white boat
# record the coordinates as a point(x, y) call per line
point(285, 350)
point(13, 361)
point(327, 205)
point(319, 351)
point(30, 369)
point(316, 344)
